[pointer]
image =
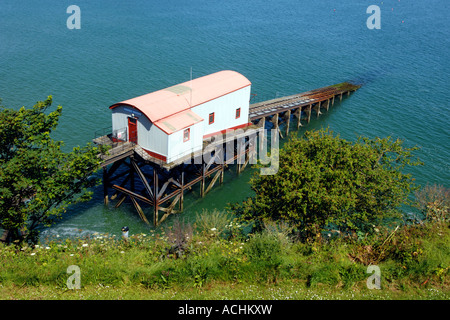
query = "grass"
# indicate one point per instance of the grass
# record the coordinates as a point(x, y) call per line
point(219, 263)
point(282, 290)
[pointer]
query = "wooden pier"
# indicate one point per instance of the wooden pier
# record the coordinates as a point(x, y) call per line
point(299, 105)
point(130, 172)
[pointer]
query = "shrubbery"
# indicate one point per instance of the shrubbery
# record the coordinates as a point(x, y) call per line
point(327, 182)
point(414, 256)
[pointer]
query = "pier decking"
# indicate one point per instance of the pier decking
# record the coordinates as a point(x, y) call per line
point(299, 105)
point(126, 164)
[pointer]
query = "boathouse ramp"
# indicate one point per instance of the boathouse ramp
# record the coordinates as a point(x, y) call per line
point(160, 180)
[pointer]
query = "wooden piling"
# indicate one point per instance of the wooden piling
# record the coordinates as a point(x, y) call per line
point(318, 109)
point(105, 186)
point(298, 115)
point(309, 112)
point(182, 191)
point(288, 120)
point(202, 182)
point(155, 199)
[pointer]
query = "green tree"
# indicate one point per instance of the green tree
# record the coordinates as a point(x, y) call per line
point(38, 181)
point(325, 181)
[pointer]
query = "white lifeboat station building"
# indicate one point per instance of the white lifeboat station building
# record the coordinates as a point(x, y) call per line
point(171, 123)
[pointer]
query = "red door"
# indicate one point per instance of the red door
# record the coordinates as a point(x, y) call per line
point(132, 130)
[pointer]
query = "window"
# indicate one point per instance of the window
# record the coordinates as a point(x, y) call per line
point(238, 113)
point(211, 118)
point(186, 134)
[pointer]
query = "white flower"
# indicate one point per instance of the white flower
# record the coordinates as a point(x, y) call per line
point(213, 229)
point(85, 244)
point(71, 254)
point(32, 254)
point(122, 251)
point(47, 248)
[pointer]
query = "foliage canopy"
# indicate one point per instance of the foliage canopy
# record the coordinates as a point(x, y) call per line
point(38, 181)
point(324, 181)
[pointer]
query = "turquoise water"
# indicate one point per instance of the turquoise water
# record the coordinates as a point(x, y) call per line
point(128, 48)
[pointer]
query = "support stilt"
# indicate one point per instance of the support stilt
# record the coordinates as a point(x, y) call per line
point(213, 182)
point(298, 114)
point(222, 167)
point(182, 191)
point(275, 122)
point(105, 186)
point(309, 112)
point(156, 198)
point(132, 186)
point(288, 119)
point(318, 109)
point(120, 201)
point(202, 182)
point(139, 210)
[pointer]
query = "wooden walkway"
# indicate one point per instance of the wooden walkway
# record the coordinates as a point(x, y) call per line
point(309, 98)
point(297, 105)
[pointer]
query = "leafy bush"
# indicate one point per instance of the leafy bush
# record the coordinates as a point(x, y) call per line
point(38, 181)
point(352, 274)
point(325, 180)
point(264, 250)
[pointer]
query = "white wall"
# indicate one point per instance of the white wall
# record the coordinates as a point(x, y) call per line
point(150, 137)
point(225, 111)
point(178, 148)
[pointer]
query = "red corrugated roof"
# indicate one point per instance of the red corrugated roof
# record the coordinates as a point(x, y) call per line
point(170, 101)
point(178, 121)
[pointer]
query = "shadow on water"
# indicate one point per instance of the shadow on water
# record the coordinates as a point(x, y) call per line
point(373, 75)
